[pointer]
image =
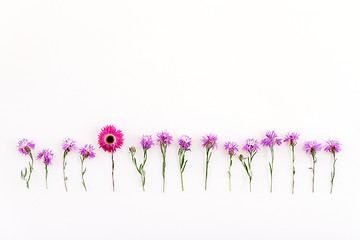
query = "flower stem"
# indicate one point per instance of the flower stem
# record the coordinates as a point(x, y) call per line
point(64, 166)
point(30, 170)
point(207, 166)
point(143, 171)
point(182, 183)
point(313, 171)
point(83, 172)
point(271, 165)
point(333, 172)
point(163, 151)
point(293, 168)
point(46, 175)
point(230, 164)
point(112, 170)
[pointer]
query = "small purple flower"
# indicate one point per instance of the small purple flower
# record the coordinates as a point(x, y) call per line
point(87, 151)
point(333, 146)
point(69, 145)
point(164, 138)
point(146, 141)
point(251, 145)
point(271, 139)
point(312, 147)
point(47, 155)
point(231, 148)
point(292, 138)
point(25, 146)
point(209, 141)
point(185, 142)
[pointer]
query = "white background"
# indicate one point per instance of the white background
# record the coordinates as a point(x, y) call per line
point(233, 68)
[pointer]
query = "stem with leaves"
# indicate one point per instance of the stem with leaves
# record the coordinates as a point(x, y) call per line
point(333, 172)
point(64, 166)
point(246, 162)
point(229, 172)
point(83, 170)
point(208, 156)
point(24, 174)
point(182, 164)
point(139, 168)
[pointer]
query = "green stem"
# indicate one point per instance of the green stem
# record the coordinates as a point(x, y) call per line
point(207, 166)
point(313, 171)
point(182, 183)
point(142, 170)
point(229, 172)
point(46, 175)
point(64, 166)
point(333, 172)
point(293, 168)
point(163, 151)
point(30, 170)
point(83, 172)
point(271, 168)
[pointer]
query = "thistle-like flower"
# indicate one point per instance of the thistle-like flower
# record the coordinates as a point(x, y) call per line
point(252, 147)
point(210, 143)
point(292, 139)
point(146, 143)
point(311, 147)
point(47, 157)
point(110, 139)
point(333, 147)
point(25, 146)
point(164, 139)
point(68, 145)
point(88, 151)
point(232, 148)
point(270, 141)
point(184, 146)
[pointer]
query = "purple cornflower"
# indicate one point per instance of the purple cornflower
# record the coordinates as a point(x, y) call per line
point(333, 146)
point(292, 138)
point(251, 145)
point(69, 145)
point(185, 142)
point(164, 138)
point(47, 155)
point(271, 139)
point(231, 148)
point(146, 141)
point(25, 146)
point(87, 151)
point(312, 147)
point(209, 141)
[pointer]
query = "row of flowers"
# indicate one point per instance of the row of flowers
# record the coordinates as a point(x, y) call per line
point(110, 139)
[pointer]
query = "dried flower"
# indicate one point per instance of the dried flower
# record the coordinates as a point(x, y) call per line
point(311, 147)
point(164, 139)
point(88, 151)
point(25, 146)
point(209, 142)
point(47, 157)
point(252, 147)
point(231, 148)
point(184, 146)
point(333, 147)
point(292, 139)
point(110, 139)
point(185, 142)
point(68, 145)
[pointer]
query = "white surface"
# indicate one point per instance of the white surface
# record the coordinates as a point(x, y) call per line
point(234, 68)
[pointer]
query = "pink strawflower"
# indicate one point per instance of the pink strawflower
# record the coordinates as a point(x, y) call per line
point(164, 138)
point(110, 138)
point(312, 147)
point(251, 145)
point(333, 146)
point(271, 139)
point(209, 141)
point(87, 151)
point(146, 141)
point(185, 142)
point(25, 146)
point(47, 156)
point(292, 138)
point(231, 148)
point(69, 145)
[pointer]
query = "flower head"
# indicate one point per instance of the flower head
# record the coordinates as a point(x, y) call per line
point(164, 138)
point(185, 142)
point(312, 147)
point(231, 148)
point(87, 151)
point(209, 141)
point(333, 146)
point(251, 145)
point(292, 138)
point(271, 139)
point(25, 146)
point(69, 145)
point(146, 141)
point(110, 138)
point(47, 155)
